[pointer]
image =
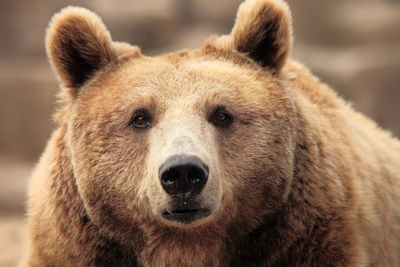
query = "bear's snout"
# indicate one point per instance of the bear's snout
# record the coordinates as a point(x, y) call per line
point(183, 176)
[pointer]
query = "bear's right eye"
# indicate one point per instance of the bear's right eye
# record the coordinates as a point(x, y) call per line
point(141, 119)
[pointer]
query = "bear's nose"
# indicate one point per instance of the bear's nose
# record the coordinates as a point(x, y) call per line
point(183, 176)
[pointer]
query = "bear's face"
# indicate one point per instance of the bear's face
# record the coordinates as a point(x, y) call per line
point(128, 124)
point(184, 140)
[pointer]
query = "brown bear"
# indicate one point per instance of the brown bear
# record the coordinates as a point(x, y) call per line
point(228, 155)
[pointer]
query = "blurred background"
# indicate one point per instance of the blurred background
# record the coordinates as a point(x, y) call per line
point(353, 45)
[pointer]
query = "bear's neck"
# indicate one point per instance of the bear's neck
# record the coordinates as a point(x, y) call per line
point(197, 247)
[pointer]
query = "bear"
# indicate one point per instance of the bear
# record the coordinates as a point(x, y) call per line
point(232, 154)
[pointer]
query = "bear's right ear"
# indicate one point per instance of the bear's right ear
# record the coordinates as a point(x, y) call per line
point(78, 44)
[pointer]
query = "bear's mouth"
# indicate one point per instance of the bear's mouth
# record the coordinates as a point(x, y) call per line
point(185, 216)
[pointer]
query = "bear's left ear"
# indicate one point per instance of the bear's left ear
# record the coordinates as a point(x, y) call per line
point(263, 32)
point(78, 44)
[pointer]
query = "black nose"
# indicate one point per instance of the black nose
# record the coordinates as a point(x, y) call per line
point(183, 176)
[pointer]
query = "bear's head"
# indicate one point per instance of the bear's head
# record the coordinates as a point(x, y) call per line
point(184, 141)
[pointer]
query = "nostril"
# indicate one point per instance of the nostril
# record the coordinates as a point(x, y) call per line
point(183, 175)
point(169, 180)
point(169, 177)
point(195, 175)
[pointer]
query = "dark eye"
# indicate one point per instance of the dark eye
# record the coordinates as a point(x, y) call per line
point(141, 119)
point(220, 117)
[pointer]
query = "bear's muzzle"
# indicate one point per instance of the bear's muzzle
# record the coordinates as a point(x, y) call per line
point(183, 177)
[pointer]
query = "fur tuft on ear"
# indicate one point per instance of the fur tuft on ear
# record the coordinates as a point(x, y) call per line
point(263, 31)
point(78, 44)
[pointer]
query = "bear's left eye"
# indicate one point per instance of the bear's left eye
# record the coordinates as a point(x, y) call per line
point(141, 119)
point(221, 117)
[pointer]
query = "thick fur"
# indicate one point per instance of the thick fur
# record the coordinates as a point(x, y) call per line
point(298, 179)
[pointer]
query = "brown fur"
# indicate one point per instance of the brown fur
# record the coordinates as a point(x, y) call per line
point(298, 179)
